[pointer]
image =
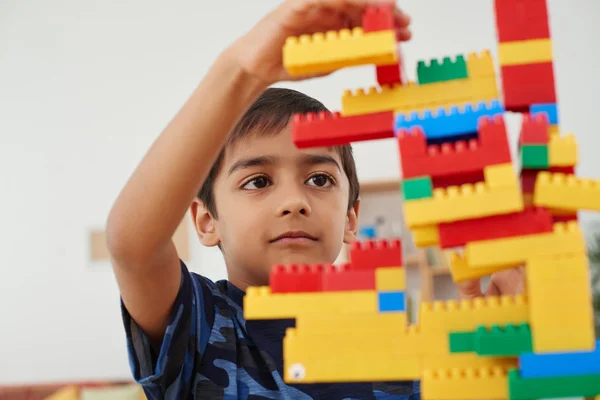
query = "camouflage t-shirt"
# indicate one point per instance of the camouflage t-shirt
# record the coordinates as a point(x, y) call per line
point(210, 351)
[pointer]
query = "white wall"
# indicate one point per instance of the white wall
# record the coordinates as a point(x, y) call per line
point(86, 86)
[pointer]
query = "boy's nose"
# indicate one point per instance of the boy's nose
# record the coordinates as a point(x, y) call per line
point(295, 204)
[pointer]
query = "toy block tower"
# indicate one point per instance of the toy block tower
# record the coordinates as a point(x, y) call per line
point(461, 189)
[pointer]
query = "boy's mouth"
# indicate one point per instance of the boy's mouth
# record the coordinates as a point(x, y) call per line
point(294, 237)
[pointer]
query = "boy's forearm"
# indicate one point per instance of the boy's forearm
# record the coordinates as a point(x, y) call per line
point(157, 195)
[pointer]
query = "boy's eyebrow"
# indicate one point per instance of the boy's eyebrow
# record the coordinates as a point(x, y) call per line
point(252, 162)
point(314, 159)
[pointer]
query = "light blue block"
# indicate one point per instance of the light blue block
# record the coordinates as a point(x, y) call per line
point(443, 123)
point(560, 364)
point(549, 108)
point(391, 301)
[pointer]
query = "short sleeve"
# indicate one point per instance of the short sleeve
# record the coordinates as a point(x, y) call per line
point(169, 374)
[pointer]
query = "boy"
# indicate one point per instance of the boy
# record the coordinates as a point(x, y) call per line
point(228, 152)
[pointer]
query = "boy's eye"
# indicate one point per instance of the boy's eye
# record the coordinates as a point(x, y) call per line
point(260, 182)
point(319, 180)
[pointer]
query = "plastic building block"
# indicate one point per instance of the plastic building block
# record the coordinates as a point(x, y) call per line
point(378, 18)
point(529, 176)
point(465, 384)
point(560, 364)
point(479, 86)
point(461, 271)
point(330, 51)
point(534, 156)
point(566, 192)
point(454, 159)
point(371, 323)
point(372, 254)
point(527, 222)
point(417, 188)
point(525, 52)
point(565, 239)
point(554, 387)
point(296, 278)
point(447, 123)
point(389, 74)
point(524, 85)
point(534, 129)
point(390, 279)
point(461, 179)
point(260, 303)
point(550, 109)
point(425, 236)
point(521, 20)
point(446, 71)
point(560, 291)
point(331, 129)
point(467, 315)
point(563, 151)
point(503, 341)
point(499, 194)
point(554, 130)
point(392, 301)
point(462, 342)
point(342, 277)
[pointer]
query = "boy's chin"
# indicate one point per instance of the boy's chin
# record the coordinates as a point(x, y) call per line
point(301, 257)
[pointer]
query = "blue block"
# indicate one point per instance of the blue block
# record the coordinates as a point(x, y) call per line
point(391, 301)
point(445, 124)
point(560, 364)
point(549, 108)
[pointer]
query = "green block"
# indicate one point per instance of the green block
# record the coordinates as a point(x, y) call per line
point(446, 71)
point(417, 188)
point(551, 388)
point(534, 156)
point(462, 342)
point(501, 341)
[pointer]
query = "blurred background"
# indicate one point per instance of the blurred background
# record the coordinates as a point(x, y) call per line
point(85, 88)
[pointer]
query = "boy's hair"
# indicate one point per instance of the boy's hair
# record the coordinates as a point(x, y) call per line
point(269, 115)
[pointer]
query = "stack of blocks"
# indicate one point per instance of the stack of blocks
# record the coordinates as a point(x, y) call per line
point(461, 191)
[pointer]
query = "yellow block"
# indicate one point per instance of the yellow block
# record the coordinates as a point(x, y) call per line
point(556, 212)
point(465, 384)
point(326, 52)
point(388, 279)
point(314, 358)
point(553, 130)
point(462, 272)
point(499, 194)
point(365, 323)
point(260, 303)
point(425, 236)
point(522, 52)
point(566, 192)
point(468, 314)
point(481, 86)
point(566, 238)
point(562, 151)
point(559, 291)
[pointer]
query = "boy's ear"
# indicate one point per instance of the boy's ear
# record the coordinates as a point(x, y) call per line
point(205, 224)
point(351, 230)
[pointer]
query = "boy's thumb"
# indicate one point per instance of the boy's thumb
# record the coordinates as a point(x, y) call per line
point(469, 289)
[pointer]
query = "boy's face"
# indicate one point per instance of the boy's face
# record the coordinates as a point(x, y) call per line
point(277, 204)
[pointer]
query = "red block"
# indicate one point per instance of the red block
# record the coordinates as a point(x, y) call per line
point(378, 18)
point(457, 180)
point(528, 222)
point(564, 218)
point(372, 254)
point(327, 129)
point(534, 130)
point(344, 277)
point(524, 85)
point(521, 20)
point(389, 74)
point(295, 278)
point(464, 158)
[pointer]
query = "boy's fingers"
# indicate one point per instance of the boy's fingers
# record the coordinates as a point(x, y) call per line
point(469, 289)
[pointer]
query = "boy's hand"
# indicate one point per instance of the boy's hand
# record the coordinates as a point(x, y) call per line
point(259, 52)
point(509, 282)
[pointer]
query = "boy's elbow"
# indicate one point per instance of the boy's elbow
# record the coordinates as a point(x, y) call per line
point(120, 242)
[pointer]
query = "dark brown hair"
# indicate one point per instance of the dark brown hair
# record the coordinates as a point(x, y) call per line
point(269, 115)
